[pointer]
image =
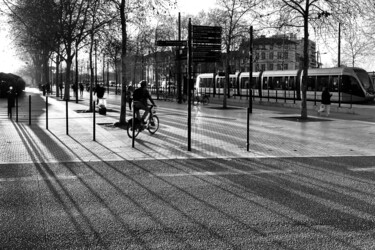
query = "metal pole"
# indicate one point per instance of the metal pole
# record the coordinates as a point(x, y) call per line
point(133, 128)
point(16, 108)
point(339, 47)
point(67, 123)
point(29, 109)
point(47, 112)
point(189, 62)
point(250, 108)
point(93, 121)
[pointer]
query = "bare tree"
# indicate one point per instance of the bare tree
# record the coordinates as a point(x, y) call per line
point(35, 31)
point(321, 14)
point(233, 16)
point(131, 10)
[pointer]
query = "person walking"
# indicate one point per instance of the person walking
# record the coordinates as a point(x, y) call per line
point(11, 98)
point(129, 96)
point(326, 102)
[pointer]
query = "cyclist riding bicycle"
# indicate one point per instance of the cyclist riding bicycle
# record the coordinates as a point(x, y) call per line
point(140, 97)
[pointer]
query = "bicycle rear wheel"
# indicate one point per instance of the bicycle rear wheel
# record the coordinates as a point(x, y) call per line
point(152, 128)
point(130, 129)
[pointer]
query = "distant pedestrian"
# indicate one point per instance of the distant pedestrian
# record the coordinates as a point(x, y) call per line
point(129, 96)
point(48, 88)
point(44, 88)
point(11, 98)
point(326, 102)
point(81, 88)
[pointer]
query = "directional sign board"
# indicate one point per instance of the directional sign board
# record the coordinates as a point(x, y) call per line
point(206, 43)
point(171, 43)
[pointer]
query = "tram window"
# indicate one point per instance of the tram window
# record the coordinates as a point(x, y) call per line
point(232, 82)
point(334, 86)
point(244, 82)
point(205, 82)
point(265, 83)
point(351, 85)
point(255, 83)
point(290, 83)
point(220, 82)
point(311, 83)
point(277, 82)
point(322, 81)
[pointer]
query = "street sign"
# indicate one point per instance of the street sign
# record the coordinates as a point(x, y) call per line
point(171, 43)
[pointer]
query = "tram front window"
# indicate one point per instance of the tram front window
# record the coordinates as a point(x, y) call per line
point(365, 80)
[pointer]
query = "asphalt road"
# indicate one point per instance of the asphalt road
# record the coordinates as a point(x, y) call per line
point(264, 203)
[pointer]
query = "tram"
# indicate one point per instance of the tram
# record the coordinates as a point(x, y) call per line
point(346, 84)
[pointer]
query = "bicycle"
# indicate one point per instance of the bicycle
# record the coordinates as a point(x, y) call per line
point(205, 99)
point(152, 125)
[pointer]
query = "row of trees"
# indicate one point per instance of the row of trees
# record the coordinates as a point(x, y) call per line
point(60, 29)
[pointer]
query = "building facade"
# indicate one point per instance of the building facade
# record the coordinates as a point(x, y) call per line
point(278, 52)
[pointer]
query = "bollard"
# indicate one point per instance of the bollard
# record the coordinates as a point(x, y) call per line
point(47, 112)
point(93, 125)
point(67, 122)
point(133, 124)
point(251, 101)
point(29, 109)
point(16, 108)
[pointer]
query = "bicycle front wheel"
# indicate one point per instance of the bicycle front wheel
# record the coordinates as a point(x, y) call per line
point(130, 130)
point(154, 124)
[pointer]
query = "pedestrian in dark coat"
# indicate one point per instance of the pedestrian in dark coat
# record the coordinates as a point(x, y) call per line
point(326, 101)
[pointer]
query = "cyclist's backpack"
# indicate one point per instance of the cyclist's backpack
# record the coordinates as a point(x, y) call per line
point(138, 94)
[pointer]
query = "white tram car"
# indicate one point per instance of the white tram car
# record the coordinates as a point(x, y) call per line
point(347, 84)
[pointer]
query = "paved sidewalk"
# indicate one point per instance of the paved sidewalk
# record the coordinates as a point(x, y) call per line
point(216, 133)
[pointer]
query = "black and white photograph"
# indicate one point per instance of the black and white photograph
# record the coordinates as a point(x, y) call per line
point(187, 124)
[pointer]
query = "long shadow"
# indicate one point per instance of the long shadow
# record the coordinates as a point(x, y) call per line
point(282, 191)
point(212, 232)
point(245, 188)
point(46, 173)
point(120, 191)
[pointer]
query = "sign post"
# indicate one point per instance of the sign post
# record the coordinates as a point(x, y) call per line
point(203, 45)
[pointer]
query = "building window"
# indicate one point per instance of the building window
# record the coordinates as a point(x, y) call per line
point(279, 55)
point(263, 67)
point(263, 55)
point(286, 55)
point(271, 55)
point(270, 66)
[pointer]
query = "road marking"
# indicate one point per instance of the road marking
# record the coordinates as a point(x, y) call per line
point(36, 178)
point(369, 169)
point(209, 173)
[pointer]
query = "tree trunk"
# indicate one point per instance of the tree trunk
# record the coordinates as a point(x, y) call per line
point(123, 63)
point(305, 63)
point(68, 80)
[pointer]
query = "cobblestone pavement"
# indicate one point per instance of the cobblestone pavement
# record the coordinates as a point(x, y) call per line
point(216, 133)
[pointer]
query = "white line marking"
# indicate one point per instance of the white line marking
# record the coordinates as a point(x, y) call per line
point(209, 173)
point(36, 178)
point(369, 169)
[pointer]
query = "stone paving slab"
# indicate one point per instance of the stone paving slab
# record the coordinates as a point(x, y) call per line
point(216, 133)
